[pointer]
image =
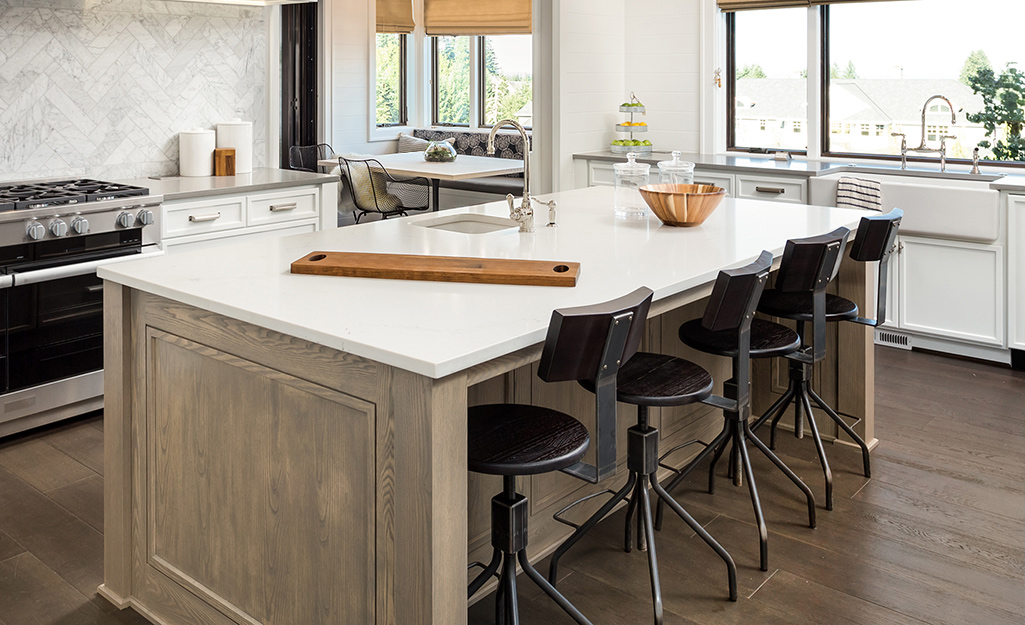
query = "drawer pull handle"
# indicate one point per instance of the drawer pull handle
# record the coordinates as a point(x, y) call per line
point(280, 208)
point(94, 288)
point(773, 190)
point(211, 217)
point(706, 184)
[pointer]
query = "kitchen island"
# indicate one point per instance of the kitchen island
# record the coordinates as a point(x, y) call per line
point(292, 448)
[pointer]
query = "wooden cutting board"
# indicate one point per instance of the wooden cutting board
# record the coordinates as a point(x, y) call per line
point(439, 268)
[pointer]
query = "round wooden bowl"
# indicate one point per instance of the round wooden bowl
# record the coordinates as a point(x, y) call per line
point(682, 204)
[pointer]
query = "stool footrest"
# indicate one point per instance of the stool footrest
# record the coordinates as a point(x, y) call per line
point(676, 449)
point(480, 565)
point(558, 515)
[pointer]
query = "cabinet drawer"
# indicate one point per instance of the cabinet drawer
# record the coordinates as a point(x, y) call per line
point(600, 174)
point(777, 189)
point(206, 242)
point(269, 208)
point(723, 181)
point(185, 218)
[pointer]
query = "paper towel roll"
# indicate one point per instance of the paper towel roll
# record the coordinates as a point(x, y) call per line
point(237, 134)
point(196, 152)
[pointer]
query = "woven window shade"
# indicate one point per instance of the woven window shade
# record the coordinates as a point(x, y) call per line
point(395, 16)
point(477, 17)
point(746, 5)
point(729, 6)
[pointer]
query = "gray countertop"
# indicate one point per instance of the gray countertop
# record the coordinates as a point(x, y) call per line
point(262, 179)
point(804, 168)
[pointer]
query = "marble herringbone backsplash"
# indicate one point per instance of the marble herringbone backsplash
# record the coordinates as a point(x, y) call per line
point(101, 88)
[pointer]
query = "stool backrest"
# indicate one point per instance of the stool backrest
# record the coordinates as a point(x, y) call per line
point(731, 306)
point(873, 242)
point(590, 343)
point(809, 264)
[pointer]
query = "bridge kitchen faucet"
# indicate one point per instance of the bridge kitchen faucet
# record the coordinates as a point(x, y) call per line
point(942, 150)
point(525, 213)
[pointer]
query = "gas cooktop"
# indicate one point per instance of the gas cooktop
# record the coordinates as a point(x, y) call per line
point(62, 192)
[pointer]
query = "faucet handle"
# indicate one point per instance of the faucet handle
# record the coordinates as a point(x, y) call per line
point(552, 208)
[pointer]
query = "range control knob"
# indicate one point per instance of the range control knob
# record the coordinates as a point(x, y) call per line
point(58, 228)
point(126, 220)
point(80, 225)
point(145, 217)
point(35, 230)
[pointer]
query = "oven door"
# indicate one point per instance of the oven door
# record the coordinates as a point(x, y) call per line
point(53, 313)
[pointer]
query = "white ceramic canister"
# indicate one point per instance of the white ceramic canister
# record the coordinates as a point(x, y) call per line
point(237, 134)
point(196, 152)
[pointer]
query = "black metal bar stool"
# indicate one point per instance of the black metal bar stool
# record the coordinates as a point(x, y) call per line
point(873, 242)
point(586, 343)
point(735, 333)
point(648, 380)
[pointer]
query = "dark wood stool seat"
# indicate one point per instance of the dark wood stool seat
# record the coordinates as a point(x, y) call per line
point(768, 339)
point(659, 380)
point(798, 306)
point(514, 439)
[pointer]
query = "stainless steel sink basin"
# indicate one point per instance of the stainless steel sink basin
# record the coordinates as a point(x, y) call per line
point(467, 223)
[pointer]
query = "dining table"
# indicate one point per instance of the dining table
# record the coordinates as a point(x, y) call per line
point(464, 167)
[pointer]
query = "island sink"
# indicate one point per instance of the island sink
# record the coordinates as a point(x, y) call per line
point(467, 223)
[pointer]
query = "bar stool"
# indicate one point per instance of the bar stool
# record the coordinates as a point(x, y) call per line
point(648, 380)
point(873, 242)
point(740, 341)
point(513, 439)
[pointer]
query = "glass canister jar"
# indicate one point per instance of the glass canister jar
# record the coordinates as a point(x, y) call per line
point(676, 171)
point(630, 177)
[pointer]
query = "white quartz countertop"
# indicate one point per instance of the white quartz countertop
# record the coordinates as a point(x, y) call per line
point(260, 179)
point(438, 328)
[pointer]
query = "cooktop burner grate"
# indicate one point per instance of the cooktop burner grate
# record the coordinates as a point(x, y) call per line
point(63, 193)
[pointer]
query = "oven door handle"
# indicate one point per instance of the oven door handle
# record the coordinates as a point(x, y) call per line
point(67, 271)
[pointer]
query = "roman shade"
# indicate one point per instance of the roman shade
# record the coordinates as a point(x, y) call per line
point(477, 17)
point(395, 16)
point(728, 6)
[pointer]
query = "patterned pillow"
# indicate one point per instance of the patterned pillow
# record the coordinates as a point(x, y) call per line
point(409, 143)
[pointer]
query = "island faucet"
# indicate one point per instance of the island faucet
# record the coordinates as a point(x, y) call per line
point(525, 213)
point(942, 150)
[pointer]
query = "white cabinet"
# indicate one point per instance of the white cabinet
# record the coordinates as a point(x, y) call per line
point(951, 289)
point(717, 178)
point(195, 223)
point(1016, 271)
point(776, 188)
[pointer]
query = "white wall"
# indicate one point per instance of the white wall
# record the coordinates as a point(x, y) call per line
point(663, 65)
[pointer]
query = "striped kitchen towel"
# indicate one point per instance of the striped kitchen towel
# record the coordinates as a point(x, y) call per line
point(859, 193)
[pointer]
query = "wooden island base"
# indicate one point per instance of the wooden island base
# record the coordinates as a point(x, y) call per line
point(252, 477)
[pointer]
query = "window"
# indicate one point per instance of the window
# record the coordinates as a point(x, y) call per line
point(888, 85)
point(870, 92)
point(503, 66)
point(451, 80)
point(506, 68)
point(391, 79)
point(767, 77)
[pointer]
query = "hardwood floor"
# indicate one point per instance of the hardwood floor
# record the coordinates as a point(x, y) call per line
point(936, 536)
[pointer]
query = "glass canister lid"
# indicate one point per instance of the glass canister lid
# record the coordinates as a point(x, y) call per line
point(631, 167)
point(676, 166)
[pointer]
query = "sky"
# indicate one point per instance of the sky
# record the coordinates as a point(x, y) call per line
point(925, 38)
point(513, 52)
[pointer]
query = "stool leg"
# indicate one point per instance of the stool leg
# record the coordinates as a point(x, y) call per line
point(550, 590)
point(731, 567)
point(649, 530)
point(628, 542)
point(779, 405)
point(716, 444)
point(642, 544)
point(789, 395)
point(485, 575)
point(763, 532)
point(786, 471)
point(553, 568)
point(500, 603)
point(715, 461)
point(865, 457)
point(819, 447)
point(512, 611)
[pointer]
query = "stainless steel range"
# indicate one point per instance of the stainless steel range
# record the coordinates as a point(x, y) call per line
point(53, 236)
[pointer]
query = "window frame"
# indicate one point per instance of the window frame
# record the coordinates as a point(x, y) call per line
point(403, 83)
point(731, 98)
point(434, 87)
point(825, 125)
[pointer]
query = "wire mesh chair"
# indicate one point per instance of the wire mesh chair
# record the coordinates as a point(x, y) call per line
point(305, 157)
point(374, 190)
